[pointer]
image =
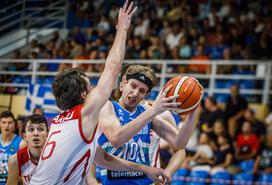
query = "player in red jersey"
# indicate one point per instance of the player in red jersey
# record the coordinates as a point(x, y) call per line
point(23, 164)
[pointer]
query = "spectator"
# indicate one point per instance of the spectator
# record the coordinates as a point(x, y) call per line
point(103, 24)
point(78, 36)
point(219, 129)
point(41, 51)
point(38, 110)
point(202, 159)
point(223, 156)
point(141, 27)
point(235, 107)
point(172, 39)
point(17, 54)
point(184, 48)
point(263, 162)
point(34, 46)
point(19, 125)
point(247, 143)
point(210, 114)
point(199, 54)
point(258, 127)
point(57, 39)
point(218, 48)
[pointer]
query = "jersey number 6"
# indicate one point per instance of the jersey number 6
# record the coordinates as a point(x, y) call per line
point(48, 144)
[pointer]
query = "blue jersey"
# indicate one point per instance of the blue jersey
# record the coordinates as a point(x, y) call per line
point(5, 153)
point(135, 150)
point(177, 118)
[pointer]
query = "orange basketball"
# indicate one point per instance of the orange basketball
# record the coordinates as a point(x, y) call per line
point(190, 93)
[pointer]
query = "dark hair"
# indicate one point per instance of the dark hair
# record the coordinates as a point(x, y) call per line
point(212, 100)
point(37, 109)
point(67, 88)
point(35, 119)
point(7, 114)
point(21, 118)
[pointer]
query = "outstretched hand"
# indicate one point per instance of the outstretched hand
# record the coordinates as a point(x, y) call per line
point(163, 103)
point(125, 14)
point(158, 175)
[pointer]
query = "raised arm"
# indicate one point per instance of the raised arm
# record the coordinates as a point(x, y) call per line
point(13, 171)
point(101, 93)
point(110, 162)
point(179, 139)
point(119, 135)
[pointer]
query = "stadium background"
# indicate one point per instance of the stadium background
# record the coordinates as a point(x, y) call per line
point(221, 43)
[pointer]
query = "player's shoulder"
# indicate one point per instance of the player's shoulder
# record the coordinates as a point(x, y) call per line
point(109, 105)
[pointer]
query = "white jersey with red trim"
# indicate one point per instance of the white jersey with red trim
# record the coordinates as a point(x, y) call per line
point(154, 150)
point(26, 166)
point(67, 154)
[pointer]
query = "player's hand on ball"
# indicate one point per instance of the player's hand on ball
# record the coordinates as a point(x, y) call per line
point(163, 103)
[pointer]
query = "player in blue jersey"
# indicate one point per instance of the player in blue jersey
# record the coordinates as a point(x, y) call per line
point(126, 124)
point(10, 143)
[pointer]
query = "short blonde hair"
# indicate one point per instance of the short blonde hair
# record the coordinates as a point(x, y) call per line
point(143, 70)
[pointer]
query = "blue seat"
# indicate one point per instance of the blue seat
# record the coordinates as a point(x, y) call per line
point(16, 79)
point(247, 166)
point(230, 83)
point(220, 178)
point(48, 80)
point(265, 178)
point(179, 177)
point(85, 23)
point(220, 84)
point(26, 79)
point(247, 84)
point(198, 178)
point(243, 178)
point(39, 80)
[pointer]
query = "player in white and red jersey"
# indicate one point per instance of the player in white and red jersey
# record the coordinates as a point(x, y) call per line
point(156, 142)
point(178, 156)
point(23, 164)
point(71, 143)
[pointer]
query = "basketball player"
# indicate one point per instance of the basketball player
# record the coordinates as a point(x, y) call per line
point(23, 164)
point(126, 125)
point(174, 164)
point(10, 143)
point(71, 144)
point(155, 142)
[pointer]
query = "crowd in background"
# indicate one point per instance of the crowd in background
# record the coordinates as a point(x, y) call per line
point(178, 29)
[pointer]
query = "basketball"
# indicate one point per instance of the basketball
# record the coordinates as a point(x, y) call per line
point(189, 91)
